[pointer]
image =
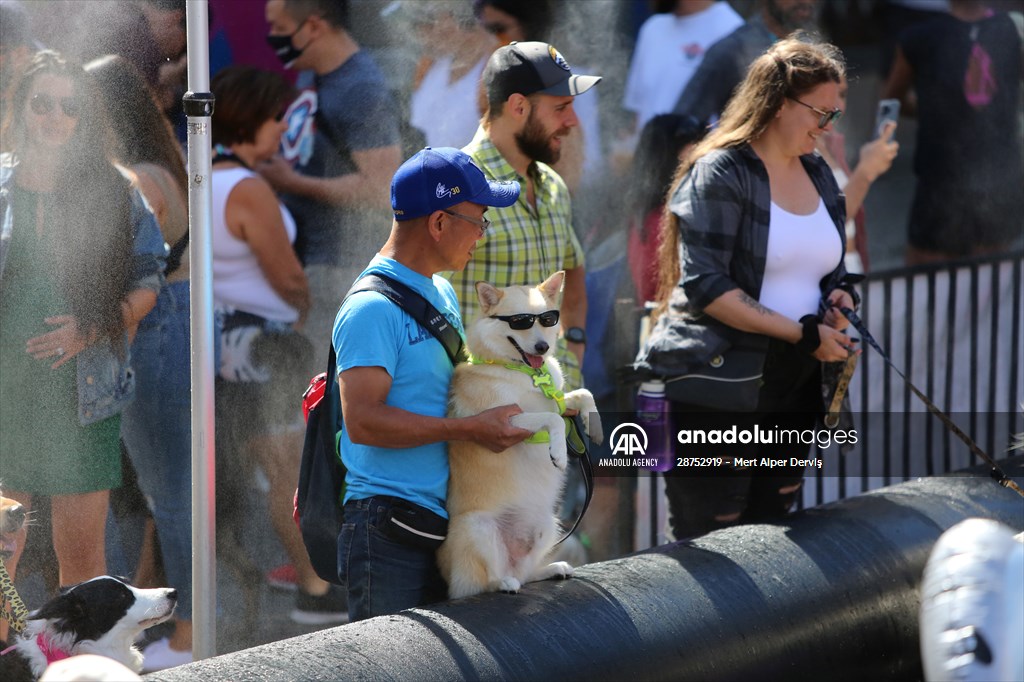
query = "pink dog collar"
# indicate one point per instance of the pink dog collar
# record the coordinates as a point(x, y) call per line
point(51, 653)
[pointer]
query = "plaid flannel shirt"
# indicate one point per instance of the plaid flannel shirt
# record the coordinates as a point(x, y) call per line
point(521, 247)
point(724, 209)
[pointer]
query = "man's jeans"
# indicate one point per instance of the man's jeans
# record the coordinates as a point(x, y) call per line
point(383, 576)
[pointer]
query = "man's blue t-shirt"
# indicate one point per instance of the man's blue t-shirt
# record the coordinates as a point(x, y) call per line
point(371, 331)
point(348, 110)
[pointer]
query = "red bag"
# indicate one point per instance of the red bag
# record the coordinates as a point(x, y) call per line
point(310, 398)
point(314, 394)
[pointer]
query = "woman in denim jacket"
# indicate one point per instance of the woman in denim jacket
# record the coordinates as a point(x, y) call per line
point(81, 261)
point(752, 276)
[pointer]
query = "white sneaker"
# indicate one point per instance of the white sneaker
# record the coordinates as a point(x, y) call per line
point(159, 656)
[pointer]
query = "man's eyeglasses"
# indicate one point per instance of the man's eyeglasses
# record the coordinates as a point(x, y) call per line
point(525, 320)
point(826, 116)
point(483, 223)
point(42, 104)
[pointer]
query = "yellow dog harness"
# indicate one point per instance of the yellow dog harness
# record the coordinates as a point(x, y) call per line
point(543, 380)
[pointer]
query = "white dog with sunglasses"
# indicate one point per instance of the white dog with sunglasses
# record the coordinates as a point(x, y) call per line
point(502, 505)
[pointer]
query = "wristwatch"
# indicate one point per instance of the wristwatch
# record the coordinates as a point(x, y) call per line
point(576, 335)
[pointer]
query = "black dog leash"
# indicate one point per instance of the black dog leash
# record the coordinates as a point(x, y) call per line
point(577, 448)
point(997, 473)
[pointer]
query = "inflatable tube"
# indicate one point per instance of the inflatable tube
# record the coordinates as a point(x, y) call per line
point(972, 605)
point(831, 593)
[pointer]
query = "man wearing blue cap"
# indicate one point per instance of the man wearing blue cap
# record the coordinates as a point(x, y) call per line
point(394, 375)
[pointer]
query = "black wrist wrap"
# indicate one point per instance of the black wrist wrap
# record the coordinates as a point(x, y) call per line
point(810, 339)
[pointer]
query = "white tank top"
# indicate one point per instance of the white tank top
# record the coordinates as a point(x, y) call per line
point(238, 280)
point(802, 249)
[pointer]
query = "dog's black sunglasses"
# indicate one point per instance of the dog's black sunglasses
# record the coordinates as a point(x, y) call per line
point(525, 320)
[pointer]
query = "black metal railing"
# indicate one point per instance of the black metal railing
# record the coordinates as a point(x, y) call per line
point(955, 330)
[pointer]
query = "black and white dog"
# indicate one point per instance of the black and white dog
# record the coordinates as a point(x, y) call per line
point(100, 616)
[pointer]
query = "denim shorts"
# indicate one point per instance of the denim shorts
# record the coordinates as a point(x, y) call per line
point(383, 576)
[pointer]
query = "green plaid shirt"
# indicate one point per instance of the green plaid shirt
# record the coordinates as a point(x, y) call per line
point(521, 247)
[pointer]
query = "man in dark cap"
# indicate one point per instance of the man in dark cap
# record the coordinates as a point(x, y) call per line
point(530, 90)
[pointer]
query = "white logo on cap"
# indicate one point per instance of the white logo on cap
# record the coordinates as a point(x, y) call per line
point(557, 58)
point(443, 192)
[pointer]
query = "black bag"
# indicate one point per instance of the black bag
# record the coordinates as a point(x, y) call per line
point(318, 509)
point(414, 526)
point(322, 476)
point(730, 382)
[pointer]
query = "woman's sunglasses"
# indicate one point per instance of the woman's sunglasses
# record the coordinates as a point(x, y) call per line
point(826, 116)
point(42, 104)
point(525, 320)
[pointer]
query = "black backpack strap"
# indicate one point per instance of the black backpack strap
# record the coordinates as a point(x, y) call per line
point(408, 300)
point(333, 405)
point(418, 308)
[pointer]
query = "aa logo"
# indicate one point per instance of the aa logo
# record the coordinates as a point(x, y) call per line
point(628, 439)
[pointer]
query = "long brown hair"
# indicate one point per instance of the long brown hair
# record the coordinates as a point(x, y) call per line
point(89, 209)
point(789, 68)
point(142, 134)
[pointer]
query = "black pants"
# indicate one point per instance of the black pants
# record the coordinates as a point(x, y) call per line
point(728, 495)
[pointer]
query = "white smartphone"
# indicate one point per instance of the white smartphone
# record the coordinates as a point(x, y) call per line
point(888, 110)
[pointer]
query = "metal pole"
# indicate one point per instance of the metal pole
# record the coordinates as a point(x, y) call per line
point(198, 104)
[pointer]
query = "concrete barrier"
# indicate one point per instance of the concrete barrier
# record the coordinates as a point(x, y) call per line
point(831, 593)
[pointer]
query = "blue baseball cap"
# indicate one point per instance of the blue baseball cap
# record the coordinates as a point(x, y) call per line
point(438, 178)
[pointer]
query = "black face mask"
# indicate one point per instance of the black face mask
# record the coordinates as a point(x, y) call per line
point(282, 46)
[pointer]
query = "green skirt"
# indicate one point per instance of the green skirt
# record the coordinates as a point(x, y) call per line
point(44, 449)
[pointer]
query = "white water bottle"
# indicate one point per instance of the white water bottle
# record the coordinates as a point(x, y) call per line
point(652, 415)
